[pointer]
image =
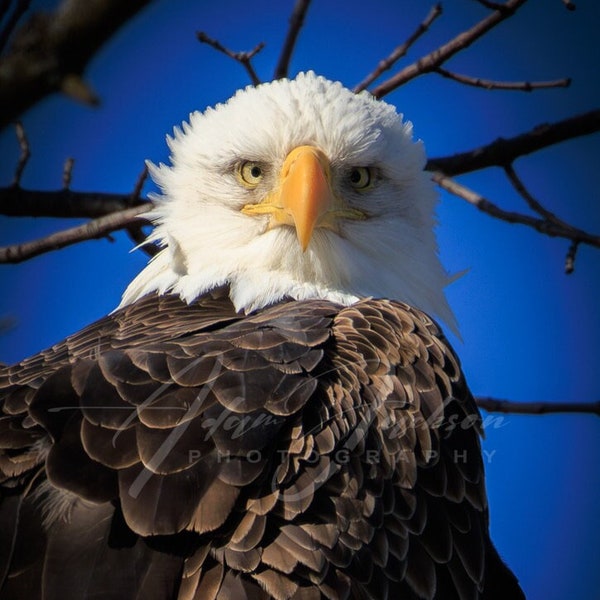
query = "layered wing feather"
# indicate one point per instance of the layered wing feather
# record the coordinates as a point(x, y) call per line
point(305, 451)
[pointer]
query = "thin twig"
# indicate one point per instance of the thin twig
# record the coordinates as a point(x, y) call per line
point(537, 408)
point(547, 215)
point(97, 228)
point(23, 157)
point(570, 258)
point(541, 225)
point(20, 9)
point(536, 206)
point(296, 22)
point(488, 84)
point(243, 58)
point(139, 184)
point(68, 173)
point(401, 50)
point(504, 151)
point(435, 59)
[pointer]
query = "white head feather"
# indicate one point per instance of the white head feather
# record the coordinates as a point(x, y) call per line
point(209, 242)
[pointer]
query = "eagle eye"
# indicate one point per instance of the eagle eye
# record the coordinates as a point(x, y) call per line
point(360, 177)
point(250, 173)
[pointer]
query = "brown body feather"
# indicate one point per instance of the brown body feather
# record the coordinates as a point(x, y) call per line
point(305, 451)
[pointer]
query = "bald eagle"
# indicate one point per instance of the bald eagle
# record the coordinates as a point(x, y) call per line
point(270, 413)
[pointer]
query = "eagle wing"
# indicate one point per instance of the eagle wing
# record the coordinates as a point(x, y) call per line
point(185, 451)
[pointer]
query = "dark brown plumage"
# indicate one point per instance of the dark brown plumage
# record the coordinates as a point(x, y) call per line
point(305, 451)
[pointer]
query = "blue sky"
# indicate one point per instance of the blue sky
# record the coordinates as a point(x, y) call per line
point(528, 331)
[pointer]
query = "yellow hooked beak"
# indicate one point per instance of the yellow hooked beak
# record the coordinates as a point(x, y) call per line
point(303, 197)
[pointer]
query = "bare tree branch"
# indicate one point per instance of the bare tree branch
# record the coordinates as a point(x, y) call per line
point(97, 228)
point(537, 408)
point(435, 59)
point(401, 50)
point(18, 202)
point(243, 58)
point(50, 52)
point(296, 22)
point(504, 151)
point(488, 84)
point(541, 225)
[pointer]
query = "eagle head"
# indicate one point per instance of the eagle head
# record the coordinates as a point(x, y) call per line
point(296, 189)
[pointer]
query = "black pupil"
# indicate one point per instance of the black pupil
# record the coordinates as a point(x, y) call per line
point(355, 176)
point(256, 172)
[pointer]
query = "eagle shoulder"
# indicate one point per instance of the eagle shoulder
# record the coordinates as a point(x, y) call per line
point(307, 448)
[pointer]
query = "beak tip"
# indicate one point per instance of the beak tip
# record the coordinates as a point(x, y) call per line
point(304, 244)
